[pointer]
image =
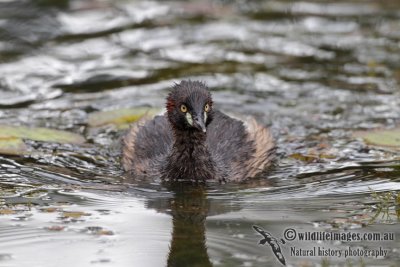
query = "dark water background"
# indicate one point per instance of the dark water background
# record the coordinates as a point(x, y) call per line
point(314, 71)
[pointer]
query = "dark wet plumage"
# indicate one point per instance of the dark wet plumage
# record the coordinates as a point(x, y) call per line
point(202, 145)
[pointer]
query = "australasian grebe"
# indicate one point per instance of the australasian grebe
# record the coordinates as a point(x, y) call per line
point(192, 141)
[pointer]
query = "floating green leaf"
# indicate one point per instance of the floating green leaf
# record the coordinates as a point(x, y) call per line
point(40, 134)
point(119, 116)
point(12, 146)
point(389, 138)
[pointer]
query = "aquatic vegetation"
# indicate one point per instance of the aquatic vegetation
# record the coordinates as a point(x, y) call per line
point(382, 137)
point(120, 117)
point(56, 228)
point(387, 206)
point(7, 211)
point(97, 230)
point(74, 214)
point(40, 134)
point(11, 138)
point(12, 146)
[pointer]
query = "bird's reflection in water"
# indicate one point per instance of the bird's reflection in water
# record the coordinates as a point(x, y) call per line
point(189, 210)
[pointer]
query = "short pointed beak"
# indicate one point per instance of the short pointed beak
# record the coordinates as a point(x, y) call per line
point(199, 124)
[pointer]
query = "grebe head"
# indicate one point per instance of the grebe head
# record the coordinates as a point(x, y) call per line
point(189, 106)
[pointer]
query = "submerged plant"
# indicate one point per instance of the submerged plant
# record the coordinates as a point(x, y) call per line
point(386, 203)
